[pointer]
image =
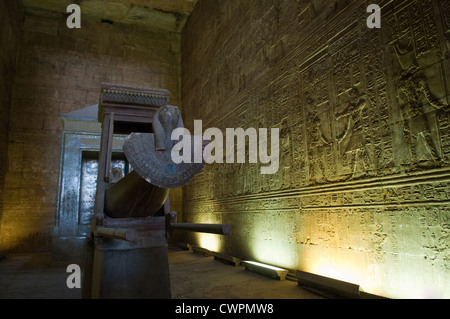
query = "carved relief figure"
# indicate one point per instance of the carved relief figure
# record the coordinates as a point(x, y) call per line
point(445, 9)
point(418, 108)
point(350, 139)
point(284, 177)
point(317, 140)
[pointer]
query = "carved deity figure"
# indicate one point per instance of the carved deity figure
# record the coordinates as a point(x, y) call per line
point(418, 108)
point(351, 139)
point(419, 120)
point(284, 179)
point(317, 142)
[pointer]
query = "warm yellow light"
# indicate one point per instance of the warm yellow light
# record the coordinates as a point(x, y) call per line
point(209, 241)
point(412, 281)
point(270, 240)
point(415, 289)
point(15, 232)
point(345, 275)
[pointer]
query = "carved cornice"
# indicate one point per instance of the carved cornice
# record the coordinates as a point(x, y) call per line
point(132, 95)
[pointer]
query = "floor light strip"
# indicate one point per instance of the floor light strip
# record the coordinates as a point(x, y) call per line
point(203, 251)
point(266, 270)
point(338, 287)
point(226, 258)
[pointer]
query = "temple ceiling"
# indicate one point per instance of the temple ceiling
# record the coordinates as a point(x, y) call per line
point(156, 14)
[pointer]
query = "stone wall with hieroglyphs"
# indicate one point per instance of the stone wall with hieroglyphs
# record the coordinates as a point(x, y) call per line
point(363, 189)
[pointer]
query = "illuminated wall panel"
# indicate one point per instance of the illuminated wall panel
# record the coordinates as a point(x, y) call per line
point(363, 189)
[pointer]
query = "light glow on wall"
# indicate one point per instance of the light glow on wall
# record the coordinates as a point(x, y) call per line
point(337, 246)
point(13, 233)
point(271, 238)
point(343, 271)
point(209, 241)
point(274, 252)
point(409, 281)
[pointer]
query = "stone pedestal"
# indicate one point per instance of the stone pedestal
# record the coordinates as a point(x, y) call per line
point(117, 269)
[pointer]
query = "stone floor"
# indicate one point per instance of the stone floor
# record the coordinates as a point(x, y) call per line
point(34, 277)
point(192, 277)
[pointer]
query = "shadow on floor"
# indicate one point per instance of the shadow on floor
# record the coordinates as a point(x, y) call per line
point(34, 276)
point(192, 277)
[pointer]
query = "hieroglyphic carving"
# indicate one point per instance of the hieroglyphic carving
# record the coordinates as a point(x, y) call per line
point(419, 83)
point(365, 132)
point(317, 129)
point(353, 138)
point(420, 125)
point(444, 7)
point(351, 116)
